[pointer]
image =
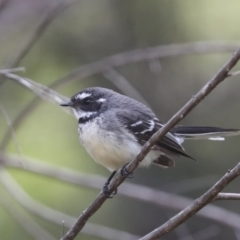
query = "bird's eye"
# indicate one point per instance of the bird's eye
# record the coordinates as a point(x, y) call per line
point(86, 101)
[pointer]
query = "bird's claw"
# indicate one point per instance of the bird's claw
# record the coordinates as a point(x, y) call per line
point(125, 173)
point(106, 191)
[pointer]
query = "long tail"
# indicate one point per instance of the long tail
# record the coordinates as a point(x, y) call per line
point(211, 133)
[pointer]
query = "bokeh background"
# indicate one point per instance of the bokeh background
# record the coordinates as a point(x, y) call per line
point(205, 34)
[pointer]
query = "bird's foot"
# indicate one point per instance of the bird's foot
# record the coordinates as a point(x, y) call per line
point(105, 187)
point(125, 173)
point(106, 191)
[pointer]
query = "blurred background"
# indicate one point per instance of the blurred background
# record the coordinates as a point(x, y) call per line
point(158, 52)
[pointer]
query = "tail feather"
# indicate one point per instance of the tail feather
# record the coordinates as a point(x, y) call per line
point(197, 132)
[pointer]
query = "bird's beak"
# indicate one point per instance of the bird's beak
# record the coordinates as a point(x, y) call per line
point(66, 104)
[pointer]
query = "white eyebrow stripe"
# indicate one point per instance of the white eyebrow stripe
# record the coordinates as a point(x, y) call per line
point(101, 100)
point(83, 95)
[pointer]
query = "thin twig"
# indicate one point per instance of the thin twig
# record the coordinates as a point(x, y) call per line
point(122, 59)
point(97, 203)
point(55, 216)
point(231, 74)
point(227, 196)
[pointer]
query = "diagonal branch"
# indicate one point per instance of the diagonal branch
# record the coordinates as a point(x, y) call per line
point(54, 216)
point(97, 203)
point(195, 206)
point(134, 191)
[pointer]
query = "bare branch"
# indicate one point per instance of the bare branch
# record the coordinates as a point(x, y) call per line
point(183, 231)
point(97, 203)
point(195, 206)
point(55, 216)
point(131, 190)
point(227, 196)
point(122, 59)
point(231, 74)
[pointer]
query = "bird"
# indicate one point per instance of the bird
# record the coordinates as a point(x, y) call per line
point(113, 128)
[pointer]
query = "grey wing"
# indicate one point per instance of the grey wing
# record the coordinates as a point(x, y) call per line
point(143, 126)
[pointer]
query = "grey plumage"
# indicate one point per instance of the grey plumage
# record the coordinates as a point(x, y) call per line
point(114, 127)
